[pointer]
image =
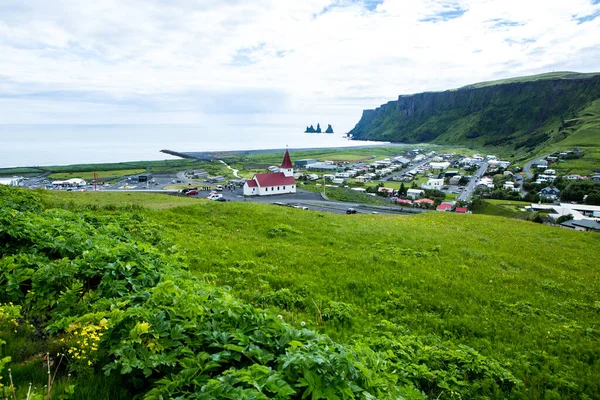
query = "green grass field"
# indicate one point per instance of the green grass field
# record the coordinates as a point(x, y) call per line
point(522, 294)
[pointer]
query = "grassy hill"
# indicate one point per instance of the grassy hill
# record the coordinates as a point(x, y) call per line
point(454, 306)
point(513, 117)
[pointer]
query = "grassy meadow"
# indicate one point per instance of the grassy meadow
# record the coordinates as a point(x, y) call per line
point(462, 293)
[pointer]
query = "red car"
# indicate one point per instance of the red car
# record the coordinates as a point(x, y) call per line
point(191, 193)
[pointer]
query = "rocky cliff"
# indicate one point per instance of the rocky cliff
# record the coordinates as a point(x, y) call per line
point(518, 113)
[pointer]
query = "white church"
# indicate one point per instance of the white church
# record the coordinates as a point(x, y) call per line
point(274, 183)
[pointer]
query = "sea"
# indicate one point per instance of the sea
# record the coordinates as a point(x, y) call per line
point(44, 145)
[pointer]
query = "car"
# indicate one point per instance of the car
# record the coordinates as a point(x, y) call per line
point(220, 199)
point(186, 190)
point(219, 188)
point(192, 192)
point(215, 196)
point(278, 203)
point(350, 211)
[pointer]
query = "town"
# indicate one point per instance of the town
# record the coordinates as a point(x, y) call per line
point(414, 180)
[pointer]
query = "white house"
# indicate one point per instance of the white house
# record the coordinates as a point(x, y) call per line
point(415, 193)
point(275, 183)
point(440, 166)
point(433, 184)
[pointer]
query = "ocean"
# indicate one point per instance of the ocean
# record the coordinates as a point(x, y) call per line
point(42, 145)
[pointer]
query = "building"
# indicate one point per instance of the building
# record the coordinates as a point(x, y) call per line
point(433, 184)
point(73, 182)
point(143, 178)
point(14, 181)
point(582, 225)
point(444, 207)
point(323, 167)
point(439, 166)
point(415, 193)
point(274, 183)
point(549, 192)
point(304, 163)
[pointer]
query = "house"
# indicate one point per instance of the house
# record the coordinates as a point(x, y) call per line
point(455, 179)
point(439, 166)
point(419, 157)
point(424, 201)
point(312, 177)
point(461, 210)
point(541, 164)
point(573, 177)
point(405, 202)
point(545, 178)
point(273, 183)
point(582, 225)
point(415, 193)
point(401, 160)
point(549, 192)
point(387, 190)
point(509, 185)
point(444, 207)
point(550, 172)
point(360, 179)
point(338, 181)
point(433, 184)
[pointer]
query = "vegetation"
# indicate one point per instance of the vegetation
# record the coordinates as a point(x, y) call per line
point(513, 118)
point(433, 305)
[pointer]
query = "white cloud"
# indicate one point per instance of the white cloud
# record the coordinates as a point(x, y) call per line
point(304, 57)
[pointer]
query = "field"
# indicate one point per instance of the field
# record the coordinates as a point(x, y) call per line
point(462, 306)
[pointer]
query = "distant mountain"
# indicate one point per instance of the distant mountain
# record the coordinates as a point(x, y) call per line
point(518, 114)
point(329, 129)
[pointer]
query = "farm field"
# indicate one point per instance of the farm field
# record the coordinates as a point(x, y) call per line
point(463, 305)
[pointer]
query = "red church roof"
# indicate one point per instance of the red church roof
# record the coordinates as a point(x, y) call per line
point(277, 179)
point(287, 162)
point(251, 183)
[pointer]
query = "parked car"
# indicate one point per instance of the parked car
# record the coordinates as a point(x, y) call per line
point(220, 188)
point(192, 192)
point(350, 211)
point(220, 199)
point(215, 196)
point(186, 190)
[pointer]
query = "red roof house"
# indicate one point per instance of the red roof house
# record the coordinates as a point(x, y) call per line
point(461, 210)
point(444, 207)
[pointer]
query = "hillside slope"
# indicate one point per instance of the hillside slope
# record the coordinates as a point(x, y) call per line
point(461, 304)
point(516, 115)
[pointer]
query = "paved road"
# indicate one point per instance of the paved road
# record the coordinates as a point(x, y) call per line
point(421, 163)
point(467, 192)
point(528, 164)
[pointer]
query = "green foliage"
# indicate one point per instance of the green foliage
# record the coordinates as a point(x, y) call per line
point(167, 333)
point(522, 114)
point(576, 191)
point(436, 305)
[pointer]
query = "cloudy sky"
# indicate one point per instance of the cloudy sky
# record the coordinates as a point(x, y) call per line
point(191, 61)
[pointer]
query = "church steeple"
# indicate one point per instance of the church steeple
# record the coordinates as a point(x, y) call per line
point(286, 166)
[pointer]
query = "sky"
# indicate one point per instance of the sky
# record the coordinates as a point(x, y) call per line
point(270, 61)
